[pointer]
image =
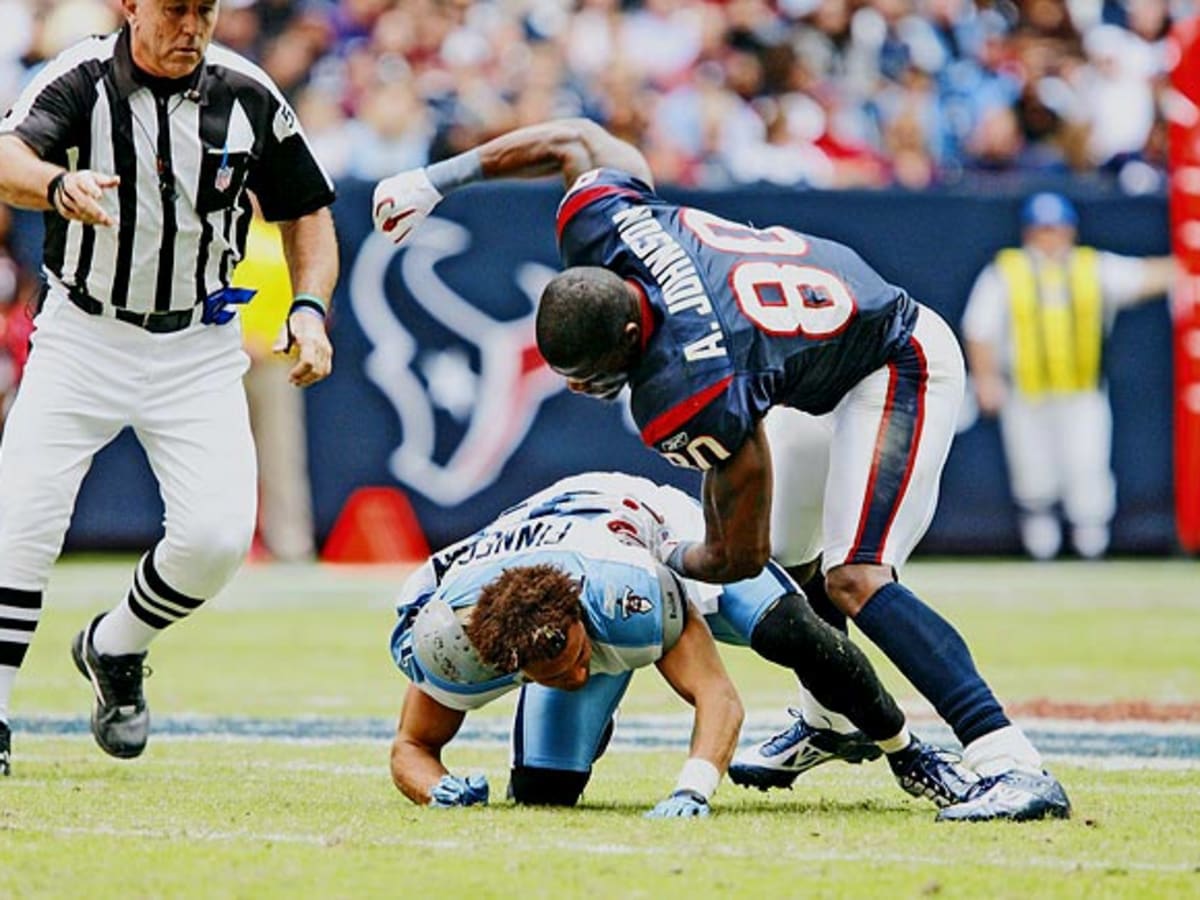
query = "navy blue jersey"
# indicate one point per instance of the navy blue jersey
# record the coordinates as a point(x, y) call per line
point(735, 319)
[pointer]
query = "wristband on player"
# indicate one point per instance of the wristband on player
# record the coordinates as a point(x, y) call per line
point(309, 303)
point(675, 559)
point(53, 188)
point(698, 776)
point(449, 174)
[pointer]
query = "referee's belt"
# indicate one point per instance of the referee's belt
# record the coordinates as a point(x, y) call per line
point(155, 322)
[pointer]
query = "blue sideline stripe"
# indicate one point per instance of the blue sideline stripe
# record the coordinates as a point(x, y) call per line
point(644, 732)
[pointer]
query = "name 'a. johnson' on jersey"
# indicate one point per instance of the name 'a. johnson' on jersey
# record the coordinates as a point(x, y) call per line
point(736, 319)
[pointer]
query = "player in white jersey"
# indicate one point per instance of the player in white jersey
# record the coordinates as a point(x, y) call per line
point(563, 597)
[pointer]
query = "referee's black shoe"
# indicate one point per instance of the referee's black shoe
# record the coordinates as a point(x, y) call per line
point(5, 749)
point(120, 717)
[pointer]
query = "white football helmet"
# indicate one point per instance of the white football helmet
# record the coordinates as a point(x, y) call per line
point(441, 646)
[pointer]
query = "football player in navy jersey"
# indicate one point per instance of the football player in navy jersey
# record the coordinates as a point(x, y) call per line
point(563, 597)
point(711, 323)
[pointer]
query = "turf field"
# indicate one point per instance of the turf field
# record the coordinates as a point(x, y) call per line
point(266, 773)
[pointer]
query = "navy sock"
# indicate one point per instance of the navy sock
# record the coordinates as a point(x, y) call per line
point(931, 654)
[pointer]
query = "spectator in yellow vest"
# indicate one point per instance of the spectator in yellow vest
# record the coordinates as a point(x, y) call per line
point(285, 519)
point(1035, 325)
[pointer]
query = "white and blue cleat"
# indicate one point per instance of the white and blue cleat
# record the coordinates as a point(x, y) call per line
point(933, 773)
point(782, 758)
point(1014, 796)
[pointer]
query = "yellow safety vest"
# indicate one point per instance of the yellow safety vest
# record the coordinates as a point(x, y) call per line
point(1056, 346)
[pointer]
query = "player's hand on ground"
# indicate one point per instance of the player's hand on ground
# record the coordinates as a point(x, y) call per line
point(401, 203)
point(453, 790)
point(306, 334)
point(680, 805)
point(79, 194)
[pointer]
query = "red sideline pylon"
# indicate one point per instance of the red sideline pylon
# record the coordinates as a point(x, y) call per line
point(377, 525)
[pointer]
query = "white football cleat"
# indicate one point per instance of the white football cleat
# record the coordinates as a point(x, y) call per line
point(779, 760)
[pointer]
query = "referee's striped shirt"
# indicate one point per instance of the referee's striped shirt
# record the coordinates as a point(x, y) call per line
point(186, 150)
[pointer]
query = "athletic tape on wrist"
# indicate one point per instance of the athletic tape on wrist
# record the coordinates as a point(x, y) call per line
point(698, 775)
point(449, 174)
point(675, 559)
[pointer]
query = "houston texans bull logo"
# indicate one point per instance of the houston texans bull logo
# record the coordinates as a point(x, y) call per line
point(487, 377)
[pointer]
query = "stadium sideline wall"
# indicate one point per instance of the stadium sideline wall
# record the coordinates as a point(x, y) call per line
point(437, 388)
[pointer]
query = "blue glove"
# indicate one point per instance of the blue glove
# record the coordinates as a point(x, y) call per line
point(454, 791)
point(680, 805)
point(215, 312)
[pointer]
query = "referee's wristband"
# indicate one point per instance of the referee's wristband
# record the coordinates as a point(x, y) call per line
point(53, 188)
point(309, 303)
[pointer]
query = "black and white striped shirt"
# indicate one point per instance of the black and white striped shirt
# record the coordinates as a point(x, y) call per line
point(185, 150)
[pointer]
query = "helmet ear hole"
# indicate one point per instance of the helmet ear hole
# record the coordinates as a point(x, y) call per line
point(441, 647)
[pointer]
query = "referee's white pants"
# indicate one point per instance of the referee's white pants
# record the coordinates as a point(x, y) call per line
point(87, 378)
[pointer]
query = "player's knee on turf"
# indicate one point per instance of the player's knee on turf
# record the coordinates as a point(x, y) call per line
point(546, 787)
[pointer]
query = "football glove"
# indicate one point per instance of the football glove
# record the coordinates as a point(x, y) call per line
point(682, 804)
point(403, 202)
point(455, 791)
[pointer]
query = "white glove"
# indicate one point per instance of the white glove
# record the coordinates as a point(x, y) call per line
point(401, 203)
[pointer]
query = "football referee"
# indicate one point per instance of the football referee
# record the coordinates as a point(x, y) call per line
point(142, 147)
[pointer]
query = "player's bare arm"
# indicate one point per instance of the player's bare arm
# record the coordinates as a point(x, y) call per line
point(30, 183)
point(694, 669)
point(310, 245)
point(568, 147)
point(737, 514)
point(425, 727)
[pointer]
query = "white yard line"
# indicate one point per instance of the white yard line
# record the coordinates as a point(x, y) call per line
point(542, 843)
point(1093, 745)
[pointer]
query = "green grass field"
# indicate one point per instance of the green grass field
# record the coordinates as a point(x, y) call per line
point(302, 651)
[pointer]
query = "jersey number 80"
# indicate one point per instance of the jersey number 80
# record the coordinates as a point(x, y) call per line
point(701, 453)
point(780, 298)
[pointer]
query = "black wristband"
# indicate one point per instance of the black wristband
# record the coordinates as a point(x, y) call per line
point(53, 188)
point(688, 792)
point(303, 301)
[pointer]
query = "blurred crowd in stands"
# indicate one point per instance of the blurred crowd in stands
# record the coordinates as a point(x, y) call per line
point(819, 93)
